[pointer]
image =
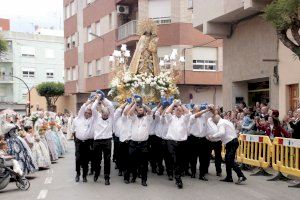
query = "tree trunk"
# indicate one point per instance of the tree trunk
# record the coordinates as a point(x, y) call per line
point(282, 35)
point(49, 104)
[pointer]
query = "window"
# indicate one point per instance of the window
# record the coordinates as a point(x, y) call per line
point(49, 74)
point(69, 78)
point(49, 53)
point(190, 4)
point(110, 21)
point(88, 2)
point(68, 46)
point(67, 11)
point(73, 40)
point(98, 66)
point(27, 51)
point(89, 36)
point(28, 73)
point(74, 73)
point(73, 8)
point(159, 9)
point(90, 69)
point(204, 65)
point(98, 28)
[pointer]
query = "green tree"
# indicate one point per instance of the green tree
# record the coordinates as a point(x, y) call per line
point(3, 45)
point(51, 91)
point(284, 15)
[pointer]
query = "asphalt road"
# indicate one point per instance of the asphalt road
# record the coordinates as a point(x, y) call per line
point(58, 184)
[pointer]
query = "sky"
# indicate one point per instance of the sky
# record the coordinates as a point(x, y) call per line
point(25, 14)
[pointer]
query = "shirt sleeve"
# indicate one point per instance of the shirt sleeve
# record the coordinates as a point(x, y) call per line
point(81, 111)
point(221, 131)
point(168, 118)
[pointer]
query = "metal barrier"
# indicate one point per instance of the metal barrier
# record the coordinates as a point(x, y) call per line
point(255, 150)
point(286, 158)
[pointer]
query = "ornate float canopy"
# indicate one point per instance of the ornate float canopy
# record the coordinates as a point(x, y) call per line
point(146, 75)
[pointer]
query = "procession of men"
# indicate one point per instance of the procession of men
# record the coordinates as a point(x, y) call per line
point(170, 137)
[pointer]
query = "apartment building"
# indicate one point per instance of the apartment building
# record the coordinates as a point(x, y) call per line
point(32, 58)
point(94, 28)
point(257, 66)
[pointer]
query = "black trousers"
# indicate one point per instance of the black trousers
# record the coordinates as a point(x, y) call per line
point(116, 152)
point(176, 150)
point(91, 155)
point(102, 147)
point(200, 150)
point(152, 152)
point(138, 153)
point(124, 158)
point(231, 148)
point(155, 153)
point(82, 151)
point(166, 156)
point(217, 147)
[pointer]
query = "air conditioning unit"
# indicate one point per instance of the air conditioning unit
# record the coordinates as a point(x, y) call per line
point(122, 9)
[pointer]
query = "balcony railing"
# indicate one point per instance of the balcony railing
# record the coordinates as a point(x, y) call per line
point(128, 29)
point(4, 99)
point(4, 78)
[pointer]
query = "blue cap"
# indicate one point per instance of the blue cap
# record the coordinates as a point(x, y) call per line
point(129, 100)
point(102, 94)
point(138, 99)
point(203, 106)
point(171, 99)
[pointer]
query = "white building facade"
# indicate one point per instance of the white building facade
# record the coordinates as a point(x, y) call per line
point(33, 58)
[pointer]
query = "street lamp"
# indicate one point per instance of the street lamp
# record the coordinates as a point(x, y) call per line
point(29, 98)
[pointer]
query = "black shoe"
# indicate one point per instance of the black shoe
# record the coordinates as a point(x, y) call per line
point(132, 180)
point(107, 182)
point(126, 181)
point(95, 178)
point(203, 178)
point(120, 173)
point(77, 178)
point(144, 183)
point(193, 176)
point(241, 180)
point(179, 184)
point(228, 180)
point(219, 174)
point(170, 178)
point(84, 179)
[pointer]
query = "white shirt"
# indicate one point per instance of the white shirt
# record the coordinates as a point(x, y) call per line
point(226, 131)
point(102, 129)
point(82, 126)
point(140, 128)
point(178, 127)
point(117, 122)
point(198, 126)
point(125, 127)
point(153, 124)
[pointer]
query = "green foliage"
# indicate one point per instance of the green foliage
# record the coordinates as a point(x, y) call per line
point(282, 13)
point(50, 89)
point(3, 45)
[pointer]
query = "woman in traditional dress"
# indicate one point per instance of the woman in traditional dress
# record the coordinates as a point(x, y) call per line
point(58, 145)
point(40, 153)
point(70, 128)
point(51, 144)
point(18, 148)
point(63, 139)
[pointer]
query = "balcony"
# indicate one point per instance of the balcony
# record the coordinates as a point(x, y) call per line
point(5, 99)
point(6, 79)
point(127, 30)
point(6, 57)
point(214, 18)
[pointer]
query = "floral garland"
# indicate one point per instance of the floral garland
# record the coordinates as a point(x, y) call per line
point(150, 87)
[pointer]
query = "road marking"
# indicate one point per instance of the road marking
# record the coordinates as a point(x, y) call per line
point(51, 171)
point(48, 180)
point(42, 194)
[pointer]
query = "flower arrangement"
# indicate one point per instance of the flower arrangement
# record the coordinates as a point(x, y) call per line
point(150, 87)
point(34, 117)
